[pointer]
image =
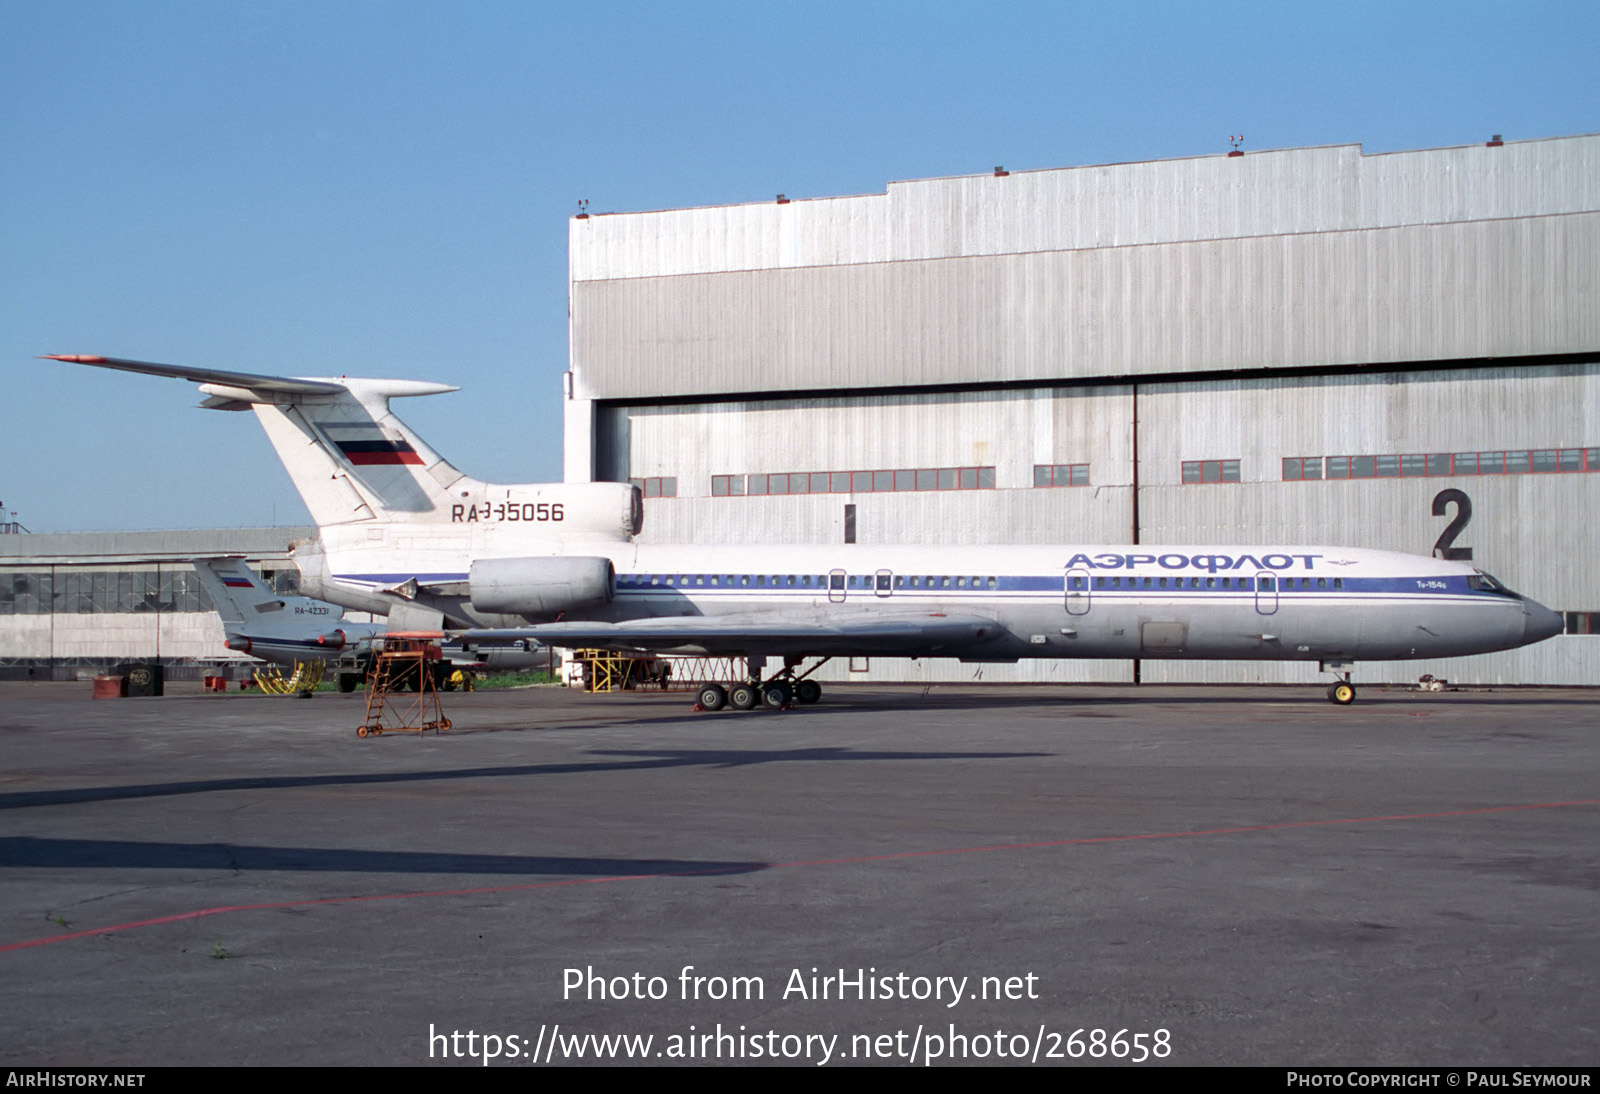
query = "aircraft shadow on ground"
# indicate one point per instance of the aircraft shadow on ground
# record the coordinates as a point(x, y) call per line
point(636, 760)
point(1048, 698)
point(67, 854)
point(1312, 695)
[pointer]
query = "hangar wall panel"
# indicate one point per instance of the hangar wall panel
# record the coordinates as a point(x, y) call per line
point(1514, 407)
point(1009, 431)
point(25, 636)
point(1287, 191)
point(1498, 288)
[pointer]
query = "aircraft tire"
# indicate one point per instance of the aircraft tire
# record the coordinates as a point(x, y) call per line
point(713, 696)
point(1341, 692)
point(808, 691)
point(776, 696)
point(744, 697)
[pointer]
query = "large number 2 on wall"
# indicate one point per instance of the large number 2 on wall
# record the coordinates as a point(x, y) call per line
point(1442, 548)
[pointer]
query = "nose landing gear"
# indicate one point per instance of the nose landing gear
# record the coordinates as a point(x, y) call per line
point(1341, 692)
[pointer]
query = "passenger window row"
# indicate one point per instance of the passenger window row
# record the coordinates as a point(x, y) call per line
point(836, 581)
point(1246, 584)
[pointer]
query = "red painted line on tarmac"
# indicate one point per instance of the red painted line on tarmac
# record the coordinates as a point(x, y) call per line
point(201, 913)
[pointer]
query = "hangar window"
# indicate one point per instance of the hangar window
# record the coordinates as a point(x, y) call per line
point(657, 486)
point(1060, 474)
point(25, 592)
point(1540, 461)
point(1209, 471)
point(1583, 622)
point(845, 482)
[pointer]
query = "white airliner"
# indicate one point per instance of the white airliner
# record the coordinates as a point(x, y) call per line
point(403, 533)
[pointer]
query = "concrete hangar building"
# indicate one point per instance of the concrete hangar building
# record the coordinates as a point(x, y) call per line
point(1306, 346)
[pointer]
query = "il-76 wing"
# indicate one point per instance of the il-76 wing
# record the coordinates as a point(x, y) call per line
point(910, 635)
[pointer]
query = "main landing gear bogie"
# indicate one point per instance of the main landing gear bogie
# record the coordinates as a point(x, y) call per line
point(779, 692)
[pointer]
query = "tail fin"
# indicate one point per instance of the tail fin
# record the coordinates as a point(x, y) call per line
point(350, 458)
point(353, 461)
point(241, 596)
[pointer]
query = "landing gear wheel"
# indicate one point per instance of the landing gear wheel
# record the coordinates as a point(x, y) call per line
point(1342, 692)
point(743, 697)
point(713, 697)
point(808, 691)
point(776, 696)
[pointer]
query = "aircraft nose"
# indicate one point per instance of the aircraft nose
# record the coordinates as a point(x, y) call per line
point(1539, 622)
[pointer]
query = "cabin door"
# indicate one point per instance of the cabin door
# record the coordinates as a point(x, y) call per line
point(1077, 592)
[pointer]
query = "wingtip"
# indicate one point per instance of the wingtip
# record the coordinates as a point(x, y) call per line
point(74, 358)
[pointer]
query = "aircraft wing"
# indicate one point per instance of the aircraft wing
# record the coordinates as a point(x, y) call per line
point(899, 635)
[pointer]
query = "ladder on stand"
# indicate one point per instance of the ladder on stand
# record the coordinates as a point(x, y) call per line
point(403, 662)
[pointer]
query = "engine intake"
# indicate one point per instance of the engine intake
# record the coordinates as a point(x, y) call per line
point(534, 587)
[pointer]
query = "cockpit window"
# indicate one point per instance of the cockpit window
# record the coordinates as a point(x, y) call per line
point(1484, 583)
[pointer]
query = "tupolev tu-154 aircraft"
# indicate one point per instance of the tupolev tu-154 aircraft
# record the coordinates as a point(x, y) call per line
point(405, 534)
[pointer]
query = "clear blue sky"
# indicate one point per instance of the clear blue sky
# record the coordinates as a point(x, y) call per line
point(383, 188)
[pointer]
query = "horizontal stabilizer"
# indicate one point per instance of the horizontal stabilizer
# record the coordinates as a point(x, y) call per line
point(249, 381)
point(227, 387)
